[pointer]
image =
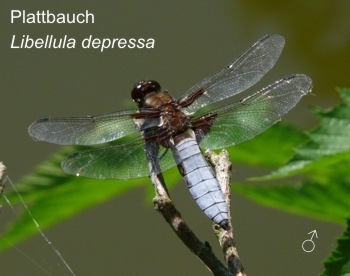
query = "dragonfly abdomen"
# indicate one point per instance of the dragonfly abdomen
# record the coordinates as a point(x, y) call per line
point(201, 181)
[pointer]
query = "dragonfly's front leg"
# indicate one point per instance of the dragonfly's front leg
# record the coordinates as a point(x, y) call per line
point(152, 150)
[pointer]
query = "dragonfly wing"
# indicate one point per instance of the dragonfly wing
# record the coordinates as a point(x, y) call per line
point(121, 161)
point(88, 130)
point(241, 121)
point(240, 74)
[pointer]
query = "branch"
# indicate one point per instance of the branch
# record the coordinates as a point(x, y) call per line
point(222, 166)
point(164, 205)
point(2, 177)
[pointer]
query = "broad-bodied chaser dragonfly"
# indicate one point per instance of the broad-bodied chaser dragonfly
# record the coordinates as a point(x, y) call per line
point(161, 123)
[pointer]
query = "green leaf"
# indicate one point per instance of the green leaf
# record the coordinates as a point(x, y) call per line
point(324, 143)
point(260, 151)
point(339, 262)
point(53, 196)
point(326, 202)
point(323, 188)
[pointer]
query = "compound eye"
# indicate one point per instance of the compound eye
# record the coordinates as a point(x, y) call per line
point(142, 88)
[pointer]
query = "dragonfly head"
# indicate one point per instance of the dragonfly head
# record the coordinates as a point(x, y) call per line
point(143, 88)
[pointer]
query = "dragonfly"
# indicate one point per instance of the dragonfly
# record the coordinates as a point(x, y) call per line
point(167, 132)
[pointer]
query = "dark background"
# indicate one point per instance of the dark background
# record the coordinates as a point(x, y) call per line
point(193, 40)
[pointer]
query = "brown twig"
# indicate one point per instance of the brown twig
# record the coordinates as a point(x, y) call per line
point(164, 205)
point(222, 166)
point(2, 177)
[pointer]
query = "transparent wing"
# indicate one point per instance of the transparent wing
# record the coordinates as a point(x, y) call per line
point(240, 74)
point(88, 130)
point(124, 161)
point(247, 118)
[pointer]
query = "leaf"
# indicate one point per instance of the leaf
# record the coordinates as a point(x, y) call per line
point(326, 202)
point(324, 143)
point(323, 188)
point(339, 261)
point(260, 150)
point(53, 196)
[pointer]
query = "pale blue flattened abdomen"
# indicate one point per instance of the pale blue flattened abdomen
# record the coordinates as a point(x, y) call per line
point(201, 181)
